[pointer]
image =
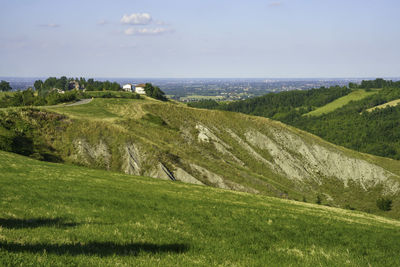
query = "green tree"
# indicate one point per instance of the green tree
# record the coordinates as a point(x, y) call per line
point(154, 92)
point(38, 85)
point(5, 86)
point(60, 83)
point(353, 85)
point(50, 83)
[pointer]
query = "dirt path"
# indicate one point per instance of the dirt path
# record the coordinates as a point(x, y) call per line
point(80, 102)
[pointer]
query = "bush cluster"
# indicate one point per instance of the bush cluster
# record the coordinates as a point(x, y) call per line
point(384, 203)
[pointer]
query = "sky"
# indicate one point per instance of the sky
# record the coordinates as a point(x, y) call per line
point(200, 38)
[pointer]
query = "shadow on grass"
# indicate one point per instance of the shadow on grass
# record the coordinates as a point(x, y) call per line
point(11, 223)
point(95, 248)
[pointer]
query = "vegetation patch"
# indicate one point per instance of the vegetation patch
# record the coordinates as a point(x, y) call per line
point(340, 102)
point(392, 103)
point(384, 203)
point(154, 119)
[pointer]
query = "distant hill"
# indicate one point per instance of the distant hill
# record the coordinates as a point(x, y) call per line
point(58, 215)
point(170, 141)
point(337, 114)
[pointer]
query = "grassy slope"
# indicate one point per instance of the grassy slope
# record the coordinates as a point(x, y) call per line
point(392, 103)
point(340, 102)
point(118, 121)
point(54, 214)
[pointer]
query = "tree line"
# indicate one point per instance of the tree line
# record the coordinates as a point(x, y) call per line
point(60, 90)
point(5, 86)
point(375, 84)
point(66, 84)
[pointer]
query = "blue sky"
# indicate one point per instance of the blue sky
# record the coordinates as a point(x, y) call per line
point(200, 38)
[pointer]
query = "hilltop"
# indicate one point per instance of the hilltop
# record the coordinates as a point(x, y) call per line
point(171, 141)
point(58, 214)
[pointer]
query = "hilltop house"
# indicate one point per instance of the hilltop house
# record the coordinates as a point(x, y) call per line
point(127, 87)
point(74, 85)
point(139, 89)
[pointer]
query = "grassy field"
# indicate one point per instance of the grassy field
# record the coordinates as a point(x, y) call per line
point(388, 104)
point(56, 215)
point(96, 109)
point(340, 102)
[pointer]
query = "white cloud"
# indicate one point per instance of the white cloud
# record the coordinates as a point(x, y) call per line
point(146, 31)
point(275, 4)
point(50, 25)
point(136, 19)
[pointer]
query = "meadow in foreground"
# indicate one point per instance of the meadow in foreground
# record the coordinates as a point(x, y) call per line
point(55, 214)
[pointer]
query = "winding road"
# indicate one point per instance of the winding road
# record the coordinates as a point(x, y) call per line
point(80, 102)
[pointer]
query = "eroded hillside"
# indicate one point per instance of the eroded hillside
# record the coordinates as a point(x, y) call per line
point(221, 149)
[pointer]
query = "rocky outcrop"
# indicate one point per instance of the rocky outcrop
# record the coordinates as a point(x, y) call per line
point(132, 160)
point(92, 155)
point(300, 160)
point(183, 176)
point(206, 135)
point(211, 177)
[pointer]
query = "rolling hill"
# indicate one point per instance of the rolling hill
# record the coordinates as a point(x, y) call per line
point(336, 114)
point(206, 147)
point(58, 214)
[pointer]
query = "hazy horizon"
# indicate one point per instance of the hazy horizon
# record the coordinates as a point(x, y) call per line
point(204, 78)
point(209, 39)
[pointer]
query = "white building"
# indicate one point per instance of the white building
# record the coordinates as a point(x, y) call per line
point(139, 89)
point(127, 87)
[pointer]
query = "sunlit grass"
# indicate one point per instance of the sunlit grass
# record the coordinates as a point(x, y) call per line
point(54, 214)
point(388, 104)
point(340, 102)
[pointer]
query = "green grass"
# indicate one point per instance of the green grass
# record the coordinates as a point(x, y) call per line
point(97, 109)
point(57, 215)
point(3, 94)
point(340, 102)
point(392, 103)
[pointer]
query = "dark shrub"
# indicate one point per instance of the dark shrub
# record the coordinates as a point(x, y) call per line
point(384, 203)
point(319, 200)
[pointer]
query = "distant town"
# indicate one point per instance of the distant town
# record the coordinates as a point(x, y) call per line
point(189, 90)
